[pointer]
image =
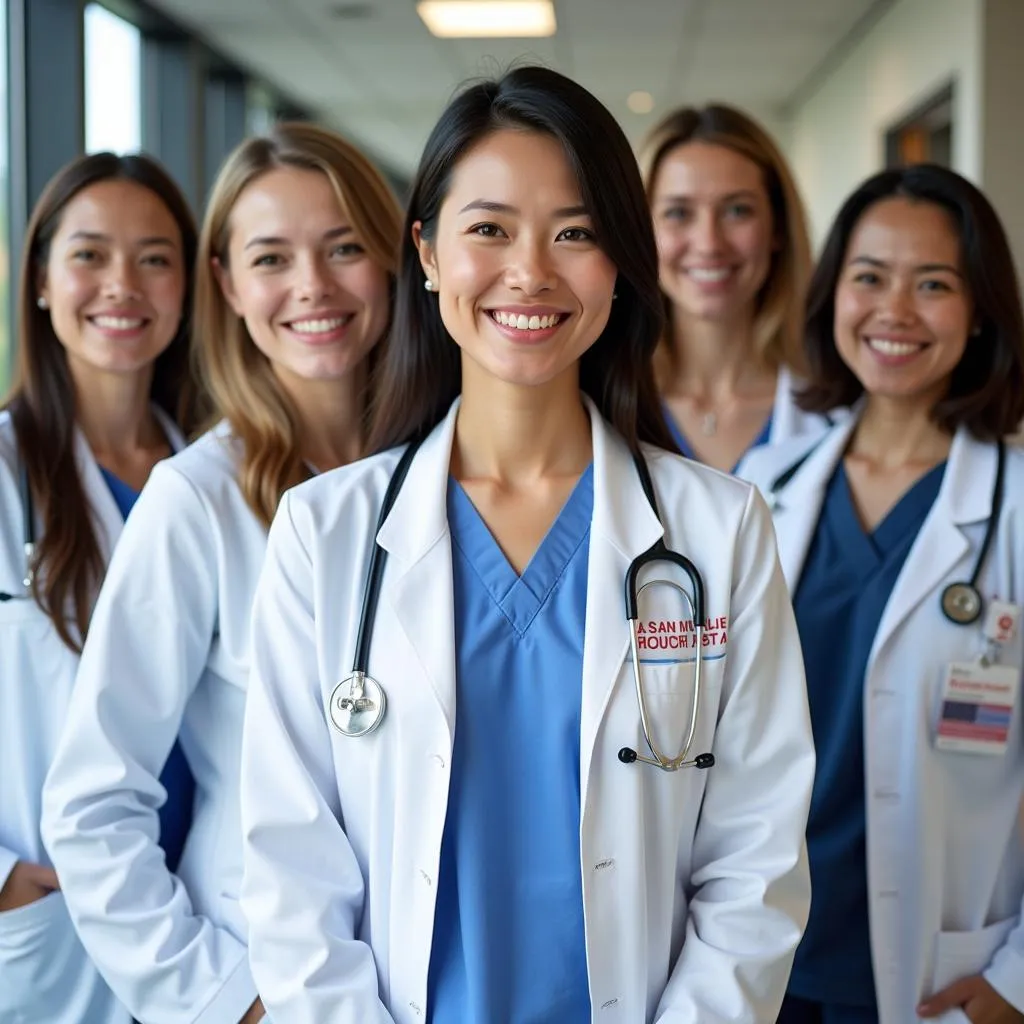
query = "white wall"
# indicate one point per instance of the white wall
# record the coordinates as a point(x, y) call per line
point(836, 136)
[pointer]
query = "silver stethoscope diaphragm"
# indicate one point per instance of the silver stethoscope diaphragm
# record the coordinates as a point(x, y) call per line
point(358, 704)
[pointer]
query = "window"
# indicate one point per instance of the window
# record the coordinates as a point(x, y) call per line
point(113, 109)
point(6, 266)
point(925, 136)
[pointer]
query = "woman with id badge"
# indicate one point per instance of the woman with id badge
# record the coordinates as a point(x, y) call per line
point(900, 535)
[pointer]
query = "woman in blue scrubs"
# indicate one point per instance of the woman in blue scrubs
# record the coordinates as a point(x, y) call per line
point(101, 396)
point(733, 264)
point(488, 853)
point(917, 858)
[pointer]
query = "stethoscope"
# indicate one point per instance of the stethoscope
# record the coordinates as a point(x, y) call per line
point(28, 535)
point(961, 602)
point(358, 703)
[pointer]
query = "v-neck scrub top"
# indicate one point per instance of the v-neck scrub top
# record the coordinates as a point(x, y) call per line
point(846, 583)
point(509, 940)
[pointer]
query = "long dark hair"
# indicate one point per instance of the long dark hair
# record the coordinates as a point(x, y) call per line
point(421, 373)
point(68, 565)
point(986, 393)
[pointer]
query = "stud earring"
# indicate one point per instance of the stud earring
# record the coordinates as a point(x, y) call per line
point(42, 303)
point(428, 284)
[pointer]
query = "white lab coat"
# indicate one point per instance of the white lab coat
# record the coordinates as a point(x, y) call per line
point(167, 656)
point(695, 884)
point(45, 975)
point(945, 831)
point(789, 420)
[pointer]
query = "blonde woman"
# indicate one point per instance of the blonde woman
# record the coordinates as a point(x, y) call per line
point(734, 261)
point(295, 276)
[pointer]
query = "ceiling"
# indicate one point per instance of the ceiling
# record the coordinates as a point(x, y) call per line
point(374, 71)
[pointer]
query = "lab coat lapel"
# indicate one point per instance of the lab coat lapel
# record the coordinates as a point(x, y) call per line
point(623, 527)
point(106, 514)
point(419, 571)
point(797, 505)
point(965, 497)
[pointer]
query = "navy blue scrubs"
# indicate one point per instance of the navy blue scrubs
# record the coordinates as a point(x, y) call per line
point(509, 942)
point(846, 583)
point(176, 778)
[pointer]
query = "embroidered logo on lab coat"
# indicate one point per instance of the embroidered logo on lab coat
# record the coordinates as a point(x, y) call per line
point(675, 638)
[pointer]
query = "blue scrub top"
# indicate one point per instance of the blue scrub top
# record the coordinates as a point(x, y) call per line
point(509, 943)
point(176, 778)
point(843, 591)
point(685, 447)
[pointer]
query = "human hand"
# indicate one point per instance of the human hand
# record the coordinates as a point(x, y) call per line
point(26, 884)
point(254, 1013)
point(977, 998)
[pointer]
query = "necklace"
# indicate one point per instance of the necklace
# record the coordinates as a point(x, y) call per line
point(709, 424)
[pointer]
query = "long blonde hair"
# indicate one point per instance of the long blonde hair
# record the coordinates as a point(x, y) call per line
point(236, 375)
point(778, 321)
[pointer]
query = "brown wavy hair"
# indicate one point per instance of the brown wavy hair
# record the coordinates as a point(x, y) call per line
point(778, 321)
point(68, 567)
point(237, 376)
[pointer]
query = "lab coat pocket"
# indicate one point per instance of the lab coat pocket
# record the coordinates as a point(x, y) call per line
point(669, 694)
point(35, 941)
point(963, 954)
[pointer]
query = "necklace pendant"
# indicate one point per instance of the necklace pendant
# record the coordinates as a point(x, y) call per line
point(709, 424)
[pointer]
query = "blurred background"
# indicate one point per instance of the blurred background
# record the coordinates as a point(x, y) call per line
point(846, 86)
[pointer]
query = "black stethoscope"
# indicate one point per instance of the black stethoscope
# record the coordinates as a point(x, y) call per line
point(961, 602)
point(358, 703)
point(28, 533)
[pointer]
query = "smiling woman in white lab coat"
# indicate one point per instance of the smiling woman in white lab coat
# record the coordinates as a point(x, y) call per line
point(101, 389)
point(734, 262)
point(292, 301)
point(484, 854)
point(902, 538)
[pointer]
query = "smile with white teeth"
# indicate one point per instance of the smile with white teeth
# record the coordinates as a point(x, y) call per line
point(709, 275)
point(322, 326)
point(523, 322)
point(885, 347)
point(118, 323)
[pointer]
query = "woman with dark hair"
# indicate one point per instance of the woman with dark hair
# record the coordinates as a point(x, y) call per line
point(294, 284)
point(733, 261)
point(900, 535)
point(101, 395)
point(455, 831)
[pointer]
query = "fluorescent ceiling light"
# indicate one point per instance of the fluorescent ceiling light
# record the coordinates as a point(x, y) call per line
point(479, 18)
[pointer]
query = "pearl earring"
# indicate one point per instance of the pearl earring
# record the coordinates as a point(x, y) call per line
point(428, 284)
point(42, 303)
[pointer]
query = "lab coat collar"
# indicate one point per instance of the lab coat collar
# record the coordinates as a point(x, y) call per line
point(107, 516)
point(416, 533)
point(965, 497)
point(419, 516)
point(798, 502)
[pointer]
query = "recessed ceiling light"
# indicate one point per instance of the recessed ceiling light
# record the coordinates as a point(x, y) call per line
point(480, 18)
point(640, 102)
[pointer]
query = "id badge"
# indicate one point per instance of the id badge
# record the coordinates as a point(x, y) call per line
point(977, 708)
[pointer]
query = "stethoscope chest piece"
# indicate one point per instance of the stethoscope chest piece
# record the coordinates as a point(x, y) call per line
point(358, 704)
point(961, 603)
